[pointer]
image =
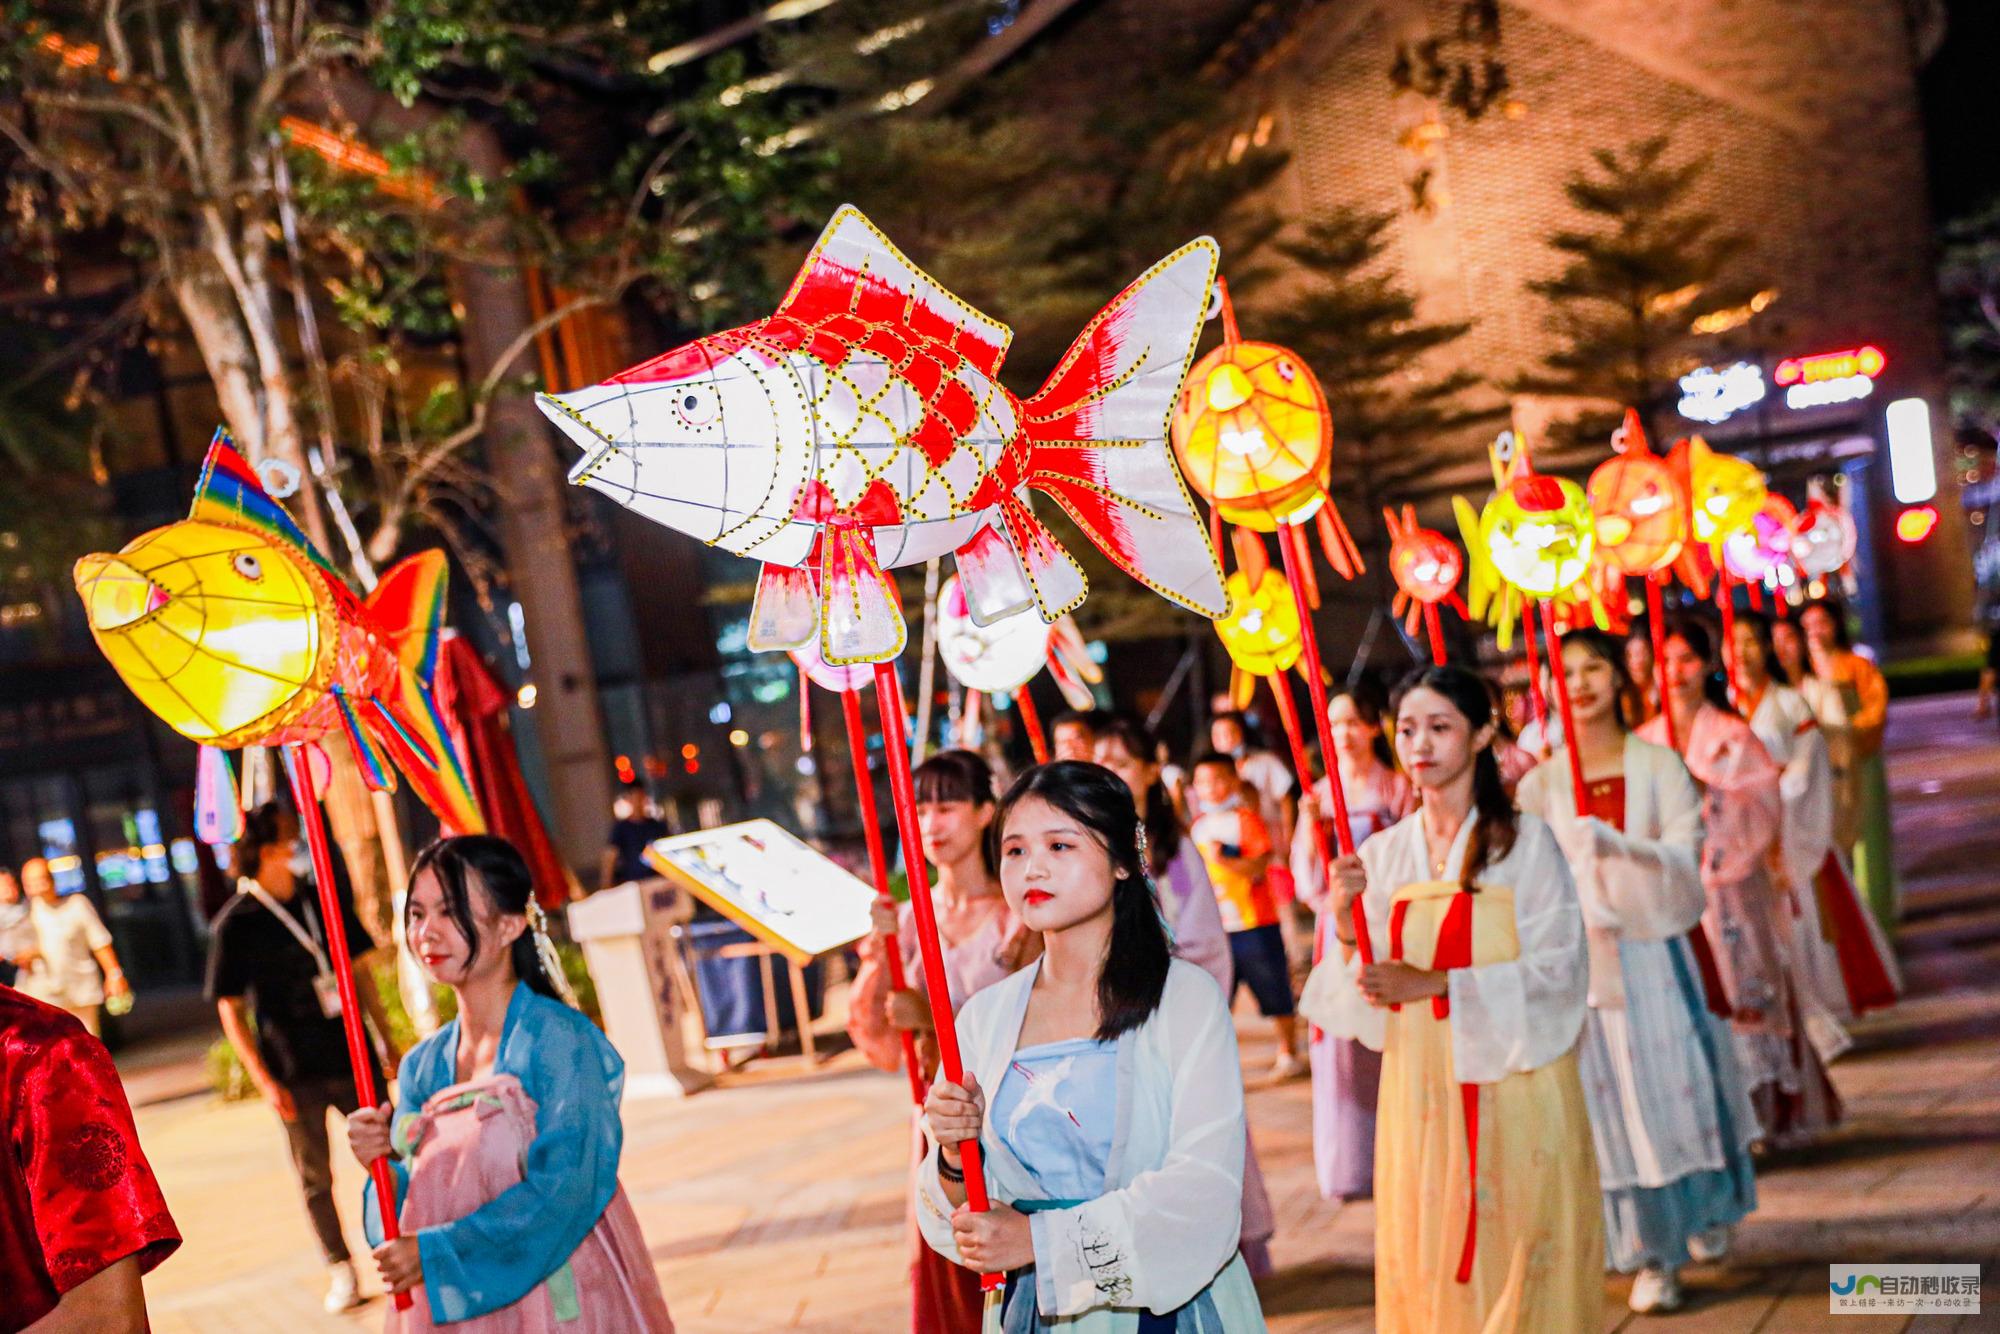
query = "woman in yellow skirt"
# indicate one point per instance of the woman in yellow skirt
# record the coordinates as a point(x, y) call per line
point(1472, 984)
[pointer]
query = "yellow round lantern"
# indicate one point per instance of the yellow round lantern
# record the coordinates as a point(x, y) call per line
point(1539, 533)
point(1253, 435)
point(1261, 630)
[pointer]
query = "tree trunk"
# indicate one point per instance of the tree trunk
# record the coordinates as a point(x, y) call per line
point(521, 461)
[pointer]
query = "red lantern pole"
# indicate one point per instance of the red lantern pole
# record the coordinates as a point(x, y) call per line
point(1433, 623)
point(298, 766)
point(902, 789)
point(1031, 722)
point(1656, 618)
point(878, 864)
point(1535, 699)
point(1288, 714)
point(1291, 545)
point(1561, 680)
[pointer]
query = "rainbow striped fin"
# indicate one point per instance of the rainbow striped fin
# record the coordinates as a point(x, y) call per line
point(373, 767)
point(408, 606)
point(218, 813)
point(407, 723)
point(229, 492)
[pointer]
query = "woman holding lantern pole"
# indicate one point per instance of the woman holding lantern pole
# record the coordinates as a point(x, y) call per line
point(1104, 1089)
point(1194, 923)
point(1672, 1121)
point(1471, 982)
point(1346, 1075)
point(983, 942)
point(1746, 920)
point(506, 1134)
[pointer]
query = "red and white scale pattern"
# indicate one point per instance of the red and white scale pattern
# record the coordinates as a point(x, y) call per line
point(863, 426)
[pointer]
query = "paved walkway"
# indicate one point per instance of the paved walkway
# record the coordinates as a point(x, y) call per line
point(777, 1202)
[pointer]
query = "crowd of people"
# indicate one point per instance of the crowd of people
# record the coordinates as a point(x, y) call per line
point(1587, 1010)
point(1552, 1009)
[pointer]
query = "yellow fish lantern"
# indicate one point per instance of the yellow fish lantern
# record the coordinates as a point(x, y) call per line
point(235, 630)
point(1253, 436)
point(1725, 493)
point(1640, 510)
point(1261, 630)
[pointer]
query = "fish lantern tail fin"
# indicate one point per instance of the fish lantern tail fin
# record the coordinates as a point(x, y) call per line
point(1098, 444)
point(404, 720)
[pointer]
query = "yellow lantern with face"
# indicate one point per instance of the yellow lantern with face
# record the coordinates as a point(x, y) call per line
point(1539, 533)
point(1261, 630)
point(1726, 493)
point(1253, 435)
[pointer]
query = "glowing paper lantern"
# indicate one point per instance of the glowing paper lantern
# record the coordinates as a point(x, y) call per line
point(1725, 493)
point(863, 426)
point(1641, 512)
point(1254, 436)
point(1756, 551)
point(1539, 533)
point(999, 658)
point(1255, 439)
point(1261, 631)
point(236, 631)
point(1425, 564)
point(1823, 538)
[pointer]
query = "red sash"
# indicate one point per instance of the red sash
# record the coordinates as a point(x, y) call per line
point(1454, 950)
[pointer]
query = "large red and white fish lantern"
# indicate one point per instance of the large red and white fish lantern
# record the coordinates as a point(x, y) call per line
point(863, 426)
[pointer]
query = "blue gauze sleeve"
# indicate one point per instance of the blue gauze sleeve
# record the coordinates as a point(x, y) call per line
point(502, 1250)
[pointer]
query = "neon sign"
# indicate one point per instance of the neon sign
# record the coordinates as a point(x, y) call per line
point(1714, 394)
point(1830, 377)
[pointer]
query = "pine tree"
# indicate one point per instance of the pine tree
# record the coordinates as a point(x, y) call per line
point(1643, 272)
point(1354, 321)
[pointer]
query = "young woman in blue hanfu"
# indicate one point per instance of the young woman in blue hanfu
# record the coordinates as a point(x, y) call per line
point(1113, 1144)
point(506, 1130)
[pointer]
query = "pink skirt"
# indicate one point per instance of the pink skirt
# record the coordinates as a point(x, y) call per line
point(470, 1140)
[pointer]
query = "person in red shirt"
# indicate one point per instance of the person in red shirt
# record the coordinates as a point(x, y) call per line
point(81, 1217)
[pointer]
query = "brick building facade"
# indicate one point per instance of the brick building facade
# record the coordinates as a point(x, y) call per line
point(1810, 118)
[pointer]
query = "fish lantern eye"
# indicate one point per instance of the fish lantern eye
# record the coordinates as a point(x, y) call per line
point(696, 405)
point(248, 566)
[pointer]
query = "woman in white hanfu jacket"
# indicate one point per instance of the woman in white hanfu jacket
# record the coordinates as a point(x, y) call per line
point(1487, 1215)
point(1672, 1121)
point(1113, 1143)
point(1842, 958)
point(1748, 918)
point(1194, 925)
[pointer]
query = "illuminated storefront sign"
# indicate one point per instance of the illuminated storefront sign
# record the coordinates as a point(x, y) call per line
point(1714, 394)
point(1830, 377)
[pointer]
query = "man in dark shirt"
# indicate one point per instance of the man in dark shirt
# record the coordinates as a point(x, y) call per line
point(269, 952)
point(632, 832)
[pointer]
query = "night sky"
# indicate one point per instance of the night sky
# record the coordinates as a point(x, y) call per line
point(1962, 108)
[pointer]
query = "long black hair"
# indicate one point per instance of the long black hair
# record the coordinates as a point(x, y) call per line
point(960, 775)
point(1366, 698)
point(1495, 821)
point(1163, 825)
point(503, 873)
point(1714, 682)
point(1834, 612)
point(1611, 650)
point(1136, 960)
point(1760, 628)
